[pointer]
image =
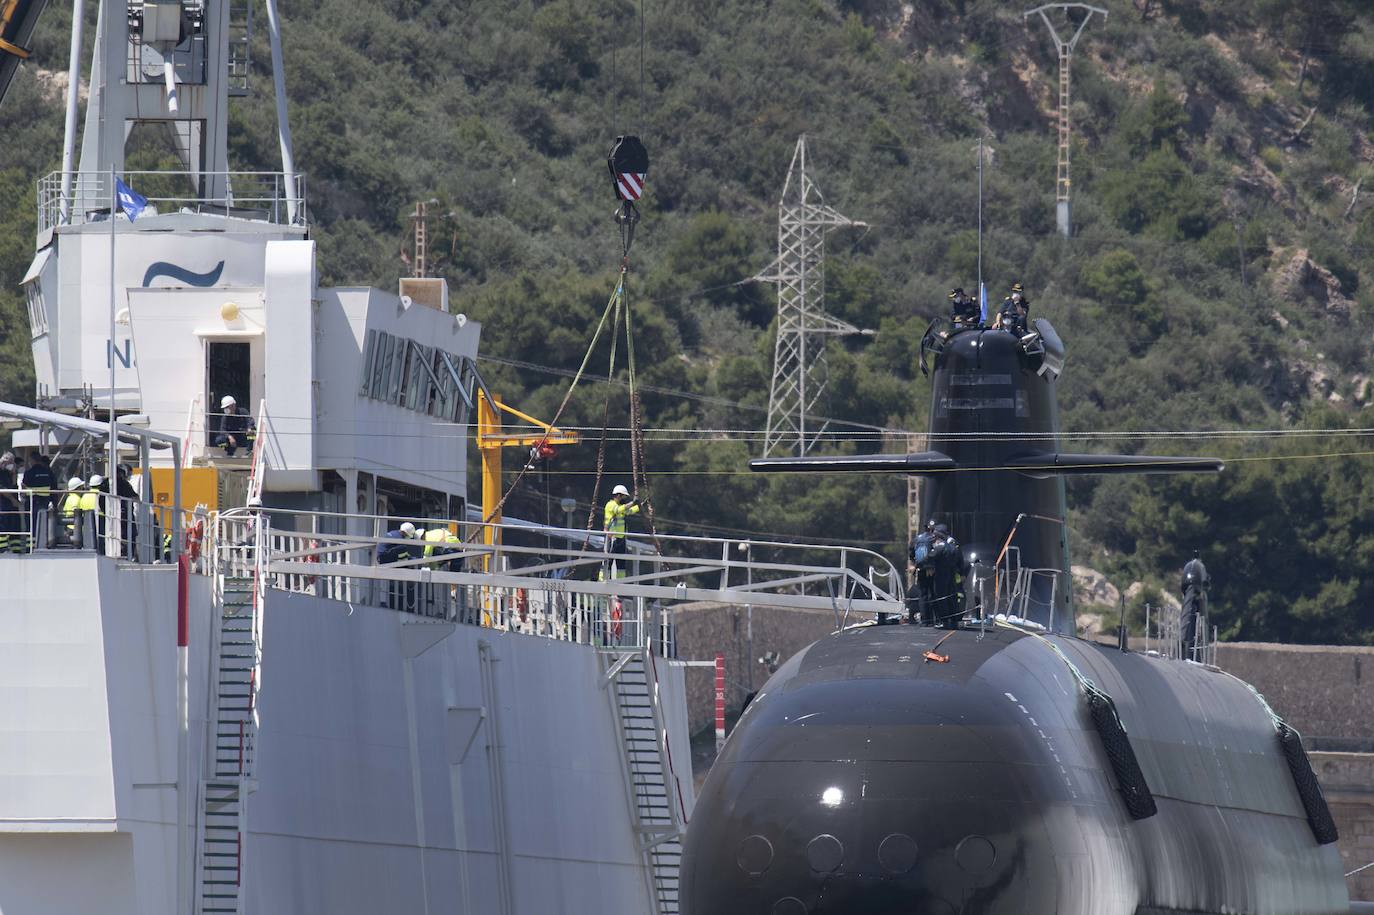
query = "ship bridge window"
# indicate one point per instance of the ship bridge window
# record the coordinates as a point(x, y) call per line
point(421, 378)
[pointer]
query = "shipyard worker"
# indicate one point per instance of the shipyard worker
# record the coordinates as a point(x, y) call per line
point(1015, 311)
point(93, 506)
point(963, 309)
point(388, 553)
point(71, 504)
point(38, 484)
point(923, 567)
point(128, 524)
point(435, 536)
point(11, 515)
point(233, 429)
point(617, 509)
point(949, 567)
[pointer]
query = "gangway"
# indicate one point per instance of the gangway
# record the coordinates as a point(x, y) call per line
point(547, 588)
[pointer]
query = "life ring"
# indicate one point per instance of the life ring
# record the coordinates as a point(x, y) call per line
point(522, 604)
point(616, 617)
point(195, 534)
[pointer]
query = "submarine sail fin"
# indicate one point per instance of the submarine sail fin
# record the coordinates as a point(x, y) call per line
point(1043, 464)
point(916, 463)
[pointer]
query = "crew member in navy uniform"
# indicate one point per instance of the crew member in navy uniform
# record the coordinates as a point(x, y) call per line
point(950, 568)
point(1017, 306)
point(923, 568)
point(38, 482)
point(11, 515)
point(963, 309)
point(1195, 582)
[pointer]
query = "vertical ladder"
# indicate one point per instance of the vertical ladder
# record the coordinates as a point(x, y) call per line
point(223, 788)
point(239, 64)
point(653, 789)
point(1062, 182)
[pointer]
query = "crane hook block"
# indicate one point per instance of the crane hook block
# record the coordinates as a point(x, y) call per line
point(629, 164)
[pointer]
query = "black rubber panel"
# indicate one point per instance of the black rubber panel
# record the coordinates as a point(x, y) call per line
point(1313, 801)
point(1130, 781)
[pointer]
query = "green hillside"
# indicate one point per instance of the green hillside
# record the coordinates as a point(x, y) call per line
point(1217, 279)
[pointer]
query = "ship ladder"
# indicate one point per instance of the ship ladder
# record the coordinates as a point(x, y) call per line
point(222, 824)
point(655, 798)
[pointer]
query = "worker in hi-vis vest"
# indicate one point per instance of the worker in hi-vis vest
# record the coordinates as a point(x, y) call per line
point(617, 509)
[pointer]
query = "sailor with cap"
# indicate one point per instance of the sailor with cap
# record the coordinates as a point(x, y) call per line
point(620, 506)
point(1015, 307)
point(963, 309)
point(233, 429)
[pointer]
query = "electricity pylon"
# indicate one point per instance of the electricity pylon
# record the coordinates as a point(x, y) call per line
point(1065, 52)
point(799, 369)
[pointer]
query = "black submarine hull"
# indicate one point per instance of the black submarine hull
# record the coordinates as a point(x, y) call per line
point(867, 780)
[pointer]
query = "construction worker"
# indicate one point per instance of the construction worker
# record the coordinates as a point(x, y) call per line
point(388, 553)
point(71, 504)
point(435, 536)
point(1014, 315)
point(233, 430)
point(617, 509)
point(963, 309)
point(92, 505)
point(38, 484)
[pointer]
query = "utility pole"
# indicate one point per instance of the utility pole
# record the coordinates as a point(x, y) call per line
point(799, 370)
point(1065, 52)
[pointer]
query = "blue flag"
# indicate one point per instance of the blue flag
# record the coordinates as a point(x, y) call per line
point(130, 201)
point(983, 303)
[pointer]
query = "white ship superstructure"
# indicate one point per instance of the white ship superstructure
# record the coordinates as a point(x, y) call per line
point(214, 699)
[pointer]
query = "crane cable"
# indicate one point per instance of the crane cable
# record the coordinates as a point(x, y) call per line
point(612, 307)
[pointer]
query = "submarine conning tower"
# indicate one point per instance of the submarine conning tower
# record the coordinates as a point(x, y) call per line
point(992, 408)
point(995, 472)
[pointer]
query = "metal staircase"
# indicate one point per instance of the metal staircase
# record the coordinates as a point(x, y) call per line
point(226, 779)
point(655, 802)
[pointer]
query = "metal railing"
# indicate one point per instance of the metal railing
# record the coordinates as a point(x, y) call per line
point(572, 591)
point(1164, 636)
point(129, 529)
point(264, 196)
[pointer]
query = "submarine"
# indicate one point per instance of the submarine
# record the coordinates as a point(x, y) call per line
point(1001, 764)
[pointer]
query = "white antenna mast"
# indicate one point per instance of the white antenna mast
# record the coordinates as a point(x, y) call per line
point(1065, 51)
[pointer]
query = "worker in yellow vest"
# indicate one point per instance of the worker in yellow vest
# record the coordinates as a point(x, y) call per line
point(92, 505)
point(435, 536)
point(617, 510)
point(71, 504)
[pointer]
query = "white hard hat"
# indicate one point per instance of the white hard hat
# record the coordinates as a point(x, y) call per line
point(96, 480)
point(620, 491)
point(408, 529)
point(226, 400)
point(75, 483)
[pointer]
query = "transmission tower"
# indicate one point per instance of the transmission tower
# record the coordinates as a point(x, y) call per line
point(799, 370)
point(1065, 51)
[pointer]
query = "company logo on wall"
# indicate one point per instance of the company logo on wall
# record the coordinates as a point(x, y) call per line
point(162, 268)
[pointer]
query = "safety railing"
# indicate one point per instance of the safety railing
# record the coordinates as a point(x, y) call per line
point(574, 590)
point(264, 196)
point(1167, 635)
point(124, 528)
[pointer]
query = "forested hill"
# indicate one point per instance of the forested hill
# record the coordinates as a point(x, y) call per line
point(1217, 280)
